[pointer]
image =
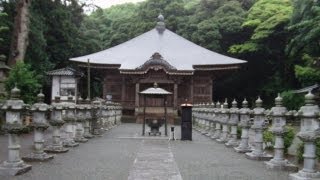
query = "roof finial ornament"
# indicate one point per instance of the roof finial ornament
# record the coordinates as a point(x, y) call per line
point(161, 26)
point(155, 85)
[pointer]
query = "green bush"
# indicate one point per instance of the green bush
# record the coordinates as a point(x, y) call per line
point(292, 101)
point(268, 139)
point(27, 81)
point(300, 151)
point(288, 137)
point(239, 130)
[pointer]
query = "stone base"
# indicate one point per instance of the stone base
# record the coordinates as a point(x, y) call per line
point(55, 149)
point(221, 140)
point(302, 175)
point(88, 136)
point(262, 157)
point(81, 140)
point(14, 169)
point(70, 144)
point(33, 157)
point(242, 150)
point(232, 144)
point(282, 165)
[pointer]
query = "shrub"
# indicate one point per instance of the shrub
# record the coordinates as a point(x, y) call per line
point(300, 151)
point(239, 130)
point(268, 138)
point(27, 81)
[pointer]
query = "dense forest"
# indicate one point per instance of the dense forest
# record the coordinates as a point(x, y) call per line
point(280, 39)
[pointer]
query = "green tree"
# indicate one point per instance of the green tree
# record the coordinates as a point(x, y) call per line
point(304, 47)
point(26, 80)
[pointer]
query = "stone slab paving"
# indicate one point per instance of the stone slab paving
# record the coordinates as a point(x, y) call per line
point(154, 161)
point(203, 158)
point(113, 157)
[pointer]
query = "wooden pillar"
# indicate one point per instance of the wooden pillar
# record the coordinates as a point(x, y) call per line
point(191, 90)
point(136, 109)
point(175, 95)
point(210, 90)
point(123, 90)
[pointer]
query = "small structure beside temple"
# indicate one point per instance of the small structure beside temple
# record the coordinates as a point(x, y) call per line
point(64, 83)
point(159, 55)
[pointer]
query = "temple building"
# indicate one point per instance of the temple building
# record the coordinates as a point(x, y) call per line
point(159, 55)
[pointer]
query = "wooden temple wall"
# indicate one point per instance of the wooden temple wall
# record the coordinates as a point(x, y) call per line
point(202, 89)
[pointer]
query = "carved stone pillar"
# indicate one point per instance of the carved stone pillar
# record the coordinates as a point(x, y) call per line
point(309, 132)
point(245, 125)
point(224, 117)
point(233, 122)
point(258, 125)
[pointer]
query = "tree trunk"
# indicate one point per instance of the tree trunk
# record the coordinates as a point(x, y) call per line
point(19, 40)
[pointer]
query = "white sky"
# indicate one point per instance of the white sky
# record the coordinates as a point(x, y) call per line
point(108, 3)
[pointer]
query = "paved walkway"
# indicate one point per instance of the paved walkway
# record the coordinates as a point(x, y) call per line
point(123, 154)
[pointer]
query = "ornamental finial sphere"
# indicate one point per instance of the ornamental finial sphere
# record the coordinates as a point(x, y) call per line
point(309, 99)
point(259, 102)
point(234, 103)
point(40, 97)
point(218, 105)
point(161, 17)
point(225, 104)
point(278, 100)
point(15, 92)
point(245, 103)
point(155, 85)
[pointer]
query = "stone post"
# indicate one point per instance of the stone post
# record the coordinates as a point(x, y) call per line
point(56, 122)
point(233, 122)
point(40, 124)
point(13, 107)
point(69, 119)
point(80, 115)
point(95, 118)
point(224, 117)
point(258, 125)
point(245, 125)
point(217, 132)
point(88, 118)
point(278, 114)
point(309, 132)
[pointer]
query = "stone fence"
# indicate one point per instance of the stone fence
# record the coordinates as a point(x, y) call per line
point(221, 123)
point(77, 122)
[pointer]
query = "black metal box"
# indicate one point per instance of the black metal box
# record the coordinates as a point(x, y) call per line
point(186, 122)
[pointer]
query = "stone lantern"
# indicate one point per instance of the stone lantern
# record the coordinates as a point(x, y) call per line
point(96, 114)
point(194, 117)
point(233, 122)
point(80, 118)
point(13, 107)
point(258, 125)
point(245, 125)
point(108, 116)
point(56, 122)
point(69, 118)
point(88, 118)
point(39, 122)
point(224, 117)
point(216, 119)
point(278, 114)
point(309, 132)
point(210, 118)
point(119, 113)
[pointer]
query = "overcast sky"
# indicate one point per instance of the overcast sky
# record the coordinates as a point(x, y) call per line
point(108, 3)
